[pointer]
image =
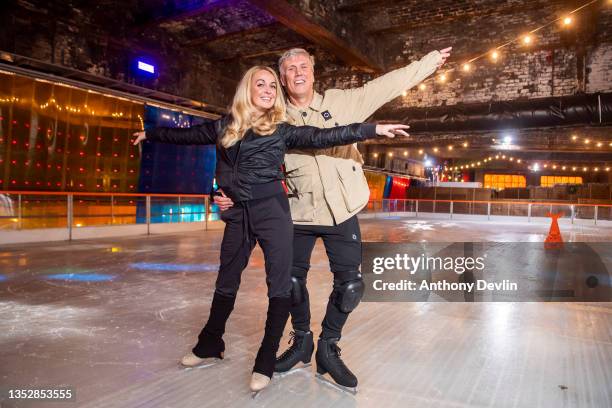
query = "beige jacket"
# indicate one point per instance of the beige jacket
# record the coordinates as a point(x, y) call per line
point(328, 185)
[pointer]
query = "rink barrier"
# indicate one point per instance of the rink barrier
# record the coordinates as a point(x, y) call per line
point(58, 215)
point(29, 210)
point(490, 208)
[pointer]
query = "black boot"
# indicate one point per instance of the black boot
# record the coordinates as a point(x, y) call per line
point(302, 347)
point(278, 314)
point(210, 341)
point(329, 361)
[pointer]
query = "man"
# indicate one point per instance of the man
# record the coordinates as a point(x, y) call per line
point(327, 188)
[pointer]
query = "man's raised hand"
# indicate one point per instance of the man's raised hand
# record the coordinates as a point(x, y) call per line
point(445, 53)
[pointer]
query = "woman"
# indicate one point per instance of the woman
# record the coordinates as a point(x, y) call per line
point(251, 144)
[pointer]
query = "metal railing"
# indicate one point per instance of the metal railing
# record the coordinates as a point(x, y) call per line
point(22, 210)
point(490, 209)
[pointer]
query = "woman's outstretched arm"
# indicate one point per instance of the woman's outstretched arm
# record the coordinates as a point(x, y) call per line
point(310, 136)
point(203, 134)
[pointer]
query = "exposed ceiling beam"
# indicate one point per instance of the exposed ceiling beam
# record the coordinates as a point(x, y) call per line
point(233, 35)
point(275, 52)
point(320, 34)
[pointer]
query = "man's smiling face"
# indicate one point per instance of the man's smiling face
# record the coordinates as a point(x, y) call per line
point(297, 76)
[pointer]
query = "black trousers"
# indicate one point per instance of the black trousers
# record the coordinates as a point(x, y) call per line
point(343, 246)
point(268, 222)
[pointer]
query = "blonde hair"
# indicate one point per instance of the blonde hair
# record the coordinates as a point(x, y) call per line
point(244, 112)
point(292, 53)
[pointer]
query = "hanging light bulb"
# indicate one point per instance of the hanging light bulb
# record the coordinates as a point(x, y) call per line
point(527, 39)
point(567, 21)
point(494, 55)
point(422, 87)
point(442, 78)
point(467, 67)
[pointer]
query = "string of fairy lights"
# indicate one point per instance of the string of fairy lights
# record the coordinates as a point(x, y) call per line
point(495, 55)
point(53, 103)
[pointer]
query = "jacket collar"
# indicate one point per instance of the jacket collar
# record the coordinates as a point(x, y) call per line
point(315, 104)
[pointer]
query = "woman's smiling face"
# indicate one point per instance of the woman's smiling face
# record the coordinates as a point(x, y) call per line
point(263, 90)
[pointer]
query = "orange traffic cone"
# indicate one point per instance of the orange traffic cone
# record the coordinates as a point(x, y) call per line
point(554, 239)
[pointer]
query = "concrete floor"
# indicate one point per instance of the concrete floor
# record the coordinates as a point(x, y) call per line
point(112, 317)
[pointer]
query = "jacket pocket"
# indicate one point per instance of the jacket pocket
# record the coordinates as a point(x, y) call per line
point(301, 196)
point(299, 171)
point(353, 184)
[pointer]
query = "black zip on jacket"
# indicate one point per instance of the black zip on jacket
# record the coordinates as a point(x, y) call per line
point(251, 167)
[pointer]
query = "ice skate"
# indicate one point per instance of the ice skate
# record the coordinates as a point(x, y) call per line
point(263, 370)
point(190, 361)
point(329, 362)
point(298, 355)
point(258, 383)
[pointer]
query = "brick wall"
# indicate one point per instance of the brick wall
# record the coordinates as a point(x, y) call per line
point(560, 62)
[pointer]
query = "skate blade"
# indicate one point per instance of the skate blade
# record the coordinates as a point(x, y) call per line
point(333, 384)
point(204, 364)
point(292, 370)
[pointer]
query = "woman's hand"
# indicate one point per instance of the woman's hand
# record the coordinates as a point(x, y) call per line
point(140, 136)
point(391, 130)
point(445, 54)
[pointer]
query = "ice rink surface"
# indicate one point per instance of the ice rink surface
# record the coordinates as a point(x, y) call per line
point(112, 317)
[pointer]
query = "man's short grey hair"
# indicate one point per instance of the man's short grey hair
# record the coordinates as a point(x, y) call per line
point(291, 53)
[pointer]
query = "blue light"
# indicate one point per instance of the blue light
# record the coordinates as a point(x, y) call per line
point(143, 66)
point(175, 267)
point(391, 217)
point(3, 278)
point(82, 277)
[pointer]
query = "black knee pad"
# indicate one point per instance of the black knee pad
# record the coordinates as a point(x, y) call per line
point(348, 295)
point(298, 291)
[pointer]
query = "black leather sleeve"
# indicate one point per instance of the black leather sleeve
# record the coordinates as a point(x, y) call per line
point(203, 134)
point(310, 136)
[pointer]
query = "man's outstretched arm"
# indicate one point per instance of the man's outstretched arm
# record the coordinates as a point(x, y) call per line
point(360, 103)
